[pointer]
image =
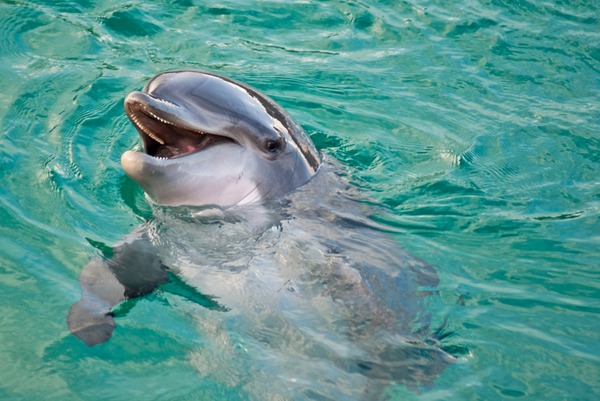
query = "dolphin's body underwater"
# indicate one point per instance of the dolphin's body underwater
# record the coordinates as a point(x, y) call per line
point(330, 302)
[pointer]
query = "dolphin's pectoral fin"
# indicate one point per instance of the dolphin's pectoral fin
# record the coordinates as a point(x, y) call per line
point(90, 325)
point(89, 319)
point(133, 271)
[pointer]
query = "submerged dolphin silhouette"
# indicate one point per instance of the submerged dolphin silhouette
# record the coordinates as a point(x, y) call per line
point(302, 260)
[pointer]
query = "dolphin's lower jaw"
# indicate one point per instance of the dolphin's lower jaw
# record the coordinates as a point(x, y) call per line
point(194, 180)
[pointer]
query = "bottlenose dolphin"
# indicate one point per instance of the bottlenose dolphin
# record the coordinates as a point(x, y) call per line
point(294, 264)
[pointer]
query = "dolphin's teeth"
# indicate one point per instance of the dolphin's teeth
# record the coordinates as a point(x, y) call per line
point(167, 122)
point(154, 136)
point(153, 115)
point(162, 120)
point(146, 130)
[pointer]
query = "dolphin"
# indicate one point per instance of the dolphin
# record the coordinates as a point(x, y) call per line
point(293, 254)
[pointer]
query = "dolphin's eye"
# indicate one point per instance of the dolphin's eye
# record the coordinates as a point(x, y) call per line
point(272, 146)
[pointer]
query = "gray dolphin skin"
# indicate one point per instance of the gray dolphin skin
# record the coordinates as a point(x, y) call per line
point(295, 288)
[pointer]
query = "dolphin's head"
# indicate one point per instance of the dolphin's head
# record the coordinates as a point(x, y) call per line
point(211, 141)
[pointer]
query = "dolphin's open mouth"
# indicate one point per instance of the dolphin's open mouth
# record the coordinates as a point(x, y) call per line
point(163, 137)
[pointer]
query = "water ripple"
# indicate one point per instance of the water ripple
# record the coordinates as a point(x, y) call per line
point(472, 127)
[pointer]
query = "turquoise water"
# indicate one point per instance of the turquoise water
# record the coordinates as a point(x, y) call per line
point(475, 124)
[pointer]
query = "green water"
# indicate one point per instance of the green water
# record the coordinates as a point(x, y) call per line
point(476, 124)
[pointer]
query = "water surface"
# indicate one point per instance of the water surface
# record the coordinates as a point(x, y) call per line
point(475, 124)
